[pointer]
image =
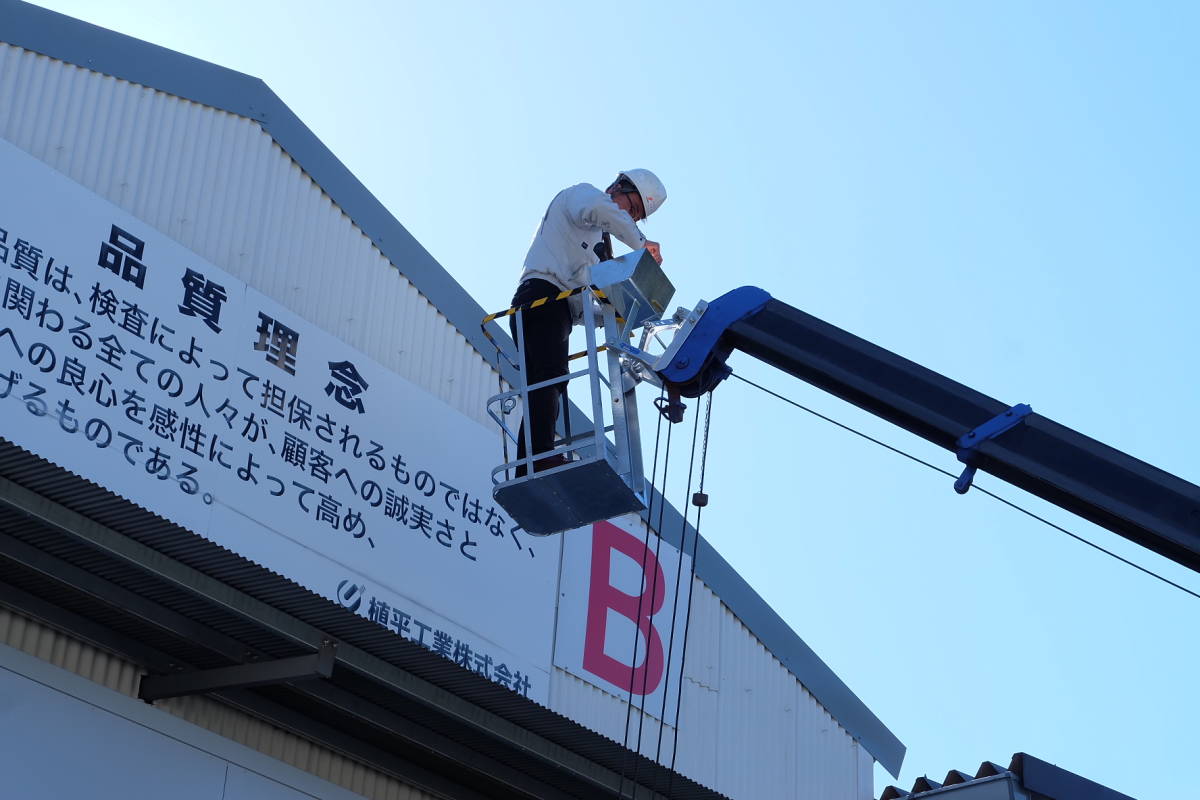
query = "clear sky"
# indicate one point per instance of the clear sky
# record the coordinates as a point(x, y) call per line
point(1003, 192)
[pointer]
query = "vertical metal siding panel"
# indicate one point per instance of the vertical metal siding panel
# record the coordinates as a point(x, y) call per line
point(808, 757)
point(733, 709)
point(27, 86)
point(866, 773)
point(782, 699)
point(828, 762)
point(602, 712)
point(29, 636)
point(222, 187)
point(700, 733)
point(756, 691)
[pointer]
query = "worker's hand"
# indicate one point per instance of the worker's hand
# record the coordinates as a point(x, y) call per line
point(654, 249)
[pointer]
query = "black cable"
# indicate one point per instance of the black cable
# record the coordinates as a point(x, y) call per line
point(662, 715)
point(662, 506)
point(687, 620)
point(645, 552)
point(993, 495)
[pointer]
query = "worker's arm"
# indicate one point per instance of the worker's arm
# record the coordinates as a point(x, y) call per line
point(593, 208)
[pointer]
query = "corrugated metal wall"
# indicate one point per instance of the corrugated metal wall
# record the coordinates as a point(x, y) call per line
point(108, 670)
point(219, 184)
point(748, 728)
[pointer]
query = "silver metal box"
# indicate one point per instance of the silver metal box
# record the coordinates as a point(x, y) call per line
point(636, 286)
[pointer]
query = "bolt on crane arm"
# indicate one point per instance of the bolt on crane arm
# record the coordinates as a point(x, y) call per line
point(1086, 477)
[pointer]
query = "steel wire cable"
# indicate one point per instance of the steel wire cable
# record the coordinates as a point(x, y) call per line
point(645, 552)
point(662, 506)
point(687, 620)
point(662, 717)
point(978, 488)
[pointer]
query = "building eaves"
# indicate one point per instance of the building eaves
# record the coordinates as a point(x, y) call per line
point(105, 51)
point(113, 574)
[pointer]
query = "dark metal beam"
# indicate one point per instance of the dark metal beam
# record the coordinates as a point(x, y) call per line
point(1099, 483)
point(363, 711)
point(83, 629)
point(240, 676)
point(107, 592)
point(419, 775)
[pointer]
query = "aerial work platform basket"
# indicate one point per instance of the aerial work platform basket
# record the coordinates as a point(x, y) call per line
point(602, 475)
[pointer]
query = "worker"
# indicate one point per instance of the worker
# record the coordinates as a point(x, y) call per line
point(574, 234)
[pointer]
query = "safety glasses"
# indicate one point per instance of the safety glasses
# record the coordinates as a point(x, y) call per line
point(625, 186)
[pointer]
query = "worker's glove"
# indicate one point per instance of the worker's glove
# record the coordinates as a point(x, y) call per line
point(594, 316)
point(597, 314)
point(575, 306)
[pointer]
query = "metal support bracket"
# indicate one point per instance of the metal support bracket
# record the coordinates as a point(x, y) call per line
point(969, 442)
point(283, 670)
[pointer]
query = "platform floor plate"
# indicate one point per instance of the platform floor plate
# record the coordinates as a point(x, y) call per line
point(567, 497)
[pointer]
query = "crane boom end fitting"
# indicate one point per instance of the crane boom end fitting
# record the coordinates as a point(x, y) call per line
point(695, 362)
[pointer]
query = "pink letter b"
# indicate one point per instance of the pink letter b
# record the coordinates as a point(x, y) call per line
point(602, 596)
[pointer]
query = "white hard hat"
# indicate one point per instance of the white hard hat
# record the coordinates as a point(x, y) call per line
point(651, 189)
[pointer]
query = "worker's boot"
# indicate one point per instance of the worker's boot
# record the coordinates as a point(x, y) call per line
point(550, 462)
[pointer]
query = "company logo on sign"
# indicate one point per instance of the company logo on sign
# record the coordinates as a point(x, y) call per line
point(350, 594)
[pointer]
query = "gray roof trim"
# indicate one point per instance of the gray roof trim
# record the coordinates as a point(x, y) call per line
point(1055, 782)
point(99, 49)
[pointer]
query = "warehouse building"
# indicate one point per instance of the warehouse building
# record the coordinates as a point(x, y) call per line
point(229, 570)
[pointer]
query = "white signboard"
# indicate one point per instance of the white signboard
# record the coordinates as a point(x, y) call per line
point(622, 613)
point(131, 361)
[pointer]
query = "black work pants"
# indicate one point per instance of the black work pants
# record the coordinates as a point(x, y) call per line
point(547, 330)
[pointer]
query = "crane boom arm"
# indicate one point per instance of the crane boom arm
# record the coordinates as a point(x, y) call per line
point(1086, 477)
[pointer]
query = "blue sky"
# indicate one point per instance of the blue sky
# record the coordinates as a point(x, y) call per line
point(1003, 192)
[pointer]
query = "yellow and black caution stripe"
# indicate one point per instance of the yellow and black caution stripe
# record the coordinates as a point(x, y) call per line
point(541, 301)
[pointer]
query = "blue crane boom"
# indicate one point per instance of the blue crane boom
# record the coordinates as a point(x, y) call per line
point(602, 475)
point(1139, 501)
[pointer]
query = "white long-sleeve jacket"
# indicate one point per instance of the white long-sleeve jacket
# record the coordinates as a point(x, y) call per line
point(563, 248)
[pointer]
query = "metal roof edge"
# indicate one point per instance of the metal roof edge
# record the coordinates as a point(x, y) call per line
point(102, 50)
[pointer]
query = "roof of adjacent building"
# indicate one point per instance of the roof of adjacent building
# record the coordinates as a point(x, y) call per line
point(1034, 778)
point(111, 53)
